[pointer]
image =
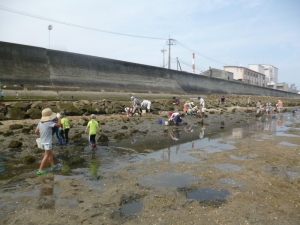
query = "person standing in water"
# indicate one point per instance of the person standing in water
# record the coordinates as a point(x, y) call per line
point(44, 129)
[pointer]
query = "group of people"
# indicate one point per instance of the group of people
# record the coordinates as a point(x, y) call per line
point(136, 106)
point(268, 108)
point(57, 123)
point(190, 109)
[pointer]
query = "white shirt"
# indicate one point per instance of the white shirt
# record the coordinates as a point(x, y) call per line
point(202, 103)
point(145, 103)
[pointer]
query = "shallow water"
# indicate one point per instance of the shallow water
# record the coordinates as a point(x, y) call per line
point(208, 193)
point(186, 144)
point(191, 143)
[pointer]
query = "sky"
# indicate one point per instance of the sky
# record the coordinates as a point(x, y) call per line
point(219, 32)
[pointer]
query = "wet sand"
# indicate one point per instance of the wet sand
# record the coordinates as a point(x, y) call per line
point(259, 176)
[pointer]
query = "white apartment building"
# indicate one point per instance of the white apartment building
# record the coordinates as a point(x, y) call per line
point(271, 73)
point(282, 86)
point(246, 75)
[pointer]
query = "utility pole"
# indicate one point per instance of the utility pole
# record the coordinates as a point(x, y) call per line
point(170, 42)
point(50, 27)
point(163, 52)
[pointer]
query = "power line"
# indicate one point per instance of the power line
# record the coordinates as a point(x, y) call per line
point(202, 54)
point(74, 25)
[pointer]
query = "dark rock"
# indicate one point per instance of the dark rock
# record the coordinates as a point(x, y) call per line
point(15, 144)
point(15, 126)
point(8, 133)
point(102, 138)
point(26, 130)
point(29, 159)
point(38, 150)
point(119, 135)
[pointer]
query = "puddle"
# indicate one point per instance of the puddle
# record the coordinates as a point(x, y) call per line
point(168, 180)
point(228, 167)
point(287, 144)
point(97, 186)
point(68, 202)
point(208, 193)
point(292, 176)
point(132, 208)
point(243, 157)
point(210, 196)
point(231, 182)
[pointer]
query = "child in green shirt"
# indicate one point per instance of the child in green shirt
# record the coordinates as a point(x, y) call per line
point(65, 123)
point(93, 127)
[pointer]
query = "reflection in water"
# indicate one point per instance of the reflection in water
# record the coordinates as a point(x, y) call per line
point(208, 193)
point(132, 208)
point(174, 134)
point(1, 167)
point(168, 179)
point(46, 199)
point(228, 167)
point(222, 124)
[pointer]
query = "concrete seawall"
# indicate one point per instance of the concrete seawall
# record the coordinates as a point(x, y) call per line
point(43, 67)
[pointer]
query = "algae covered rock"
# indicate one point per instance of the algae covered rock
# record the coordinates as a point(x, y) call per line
point(15, 144)
point(29, 159)
point(102, 138)
point(26, 130)
point(22, 106)
point(15, 126)
point(34, 113)
point(118, 108)
point(89, 109)
point(63, 106)
point(38, 150)
point(15, 114)
point(119, 135)
point(38, 105)
point(73, 111)
point(76, 161)
point(2, 117)
point(109, 111)
point(8, 133)
point(54, 109)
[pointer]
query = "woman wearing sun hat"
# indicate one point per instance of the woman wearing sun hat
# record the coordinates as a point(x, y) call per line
point(44, 129)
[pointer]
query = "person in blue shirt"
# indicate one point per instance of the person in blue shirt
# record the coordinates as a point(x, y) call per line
point(44, 129)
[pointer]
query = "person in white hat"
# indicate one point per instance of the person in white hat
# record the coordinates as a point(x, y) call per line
point(44, 129)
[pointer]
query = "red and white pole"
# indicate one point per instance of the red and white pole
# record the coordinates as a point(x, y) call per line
point(193, 63)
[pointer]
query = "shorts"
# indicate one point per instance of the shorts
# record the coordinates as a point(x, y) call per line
point(47, 146)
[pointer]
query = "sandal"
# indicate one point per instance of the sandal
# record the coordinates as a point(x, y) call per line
point(54, 167)
point(42, 172)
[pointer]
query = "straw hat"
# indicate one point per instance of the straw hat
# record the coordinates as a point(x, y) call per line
point(47, 115)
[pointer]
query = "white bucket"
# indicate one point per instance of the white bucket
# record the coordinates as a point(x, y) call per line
point(143, 111)
point(167, 123)
point(38, 142)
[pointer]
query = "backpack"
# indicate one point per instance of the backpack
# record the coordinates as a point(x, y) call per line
point(137, 102)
